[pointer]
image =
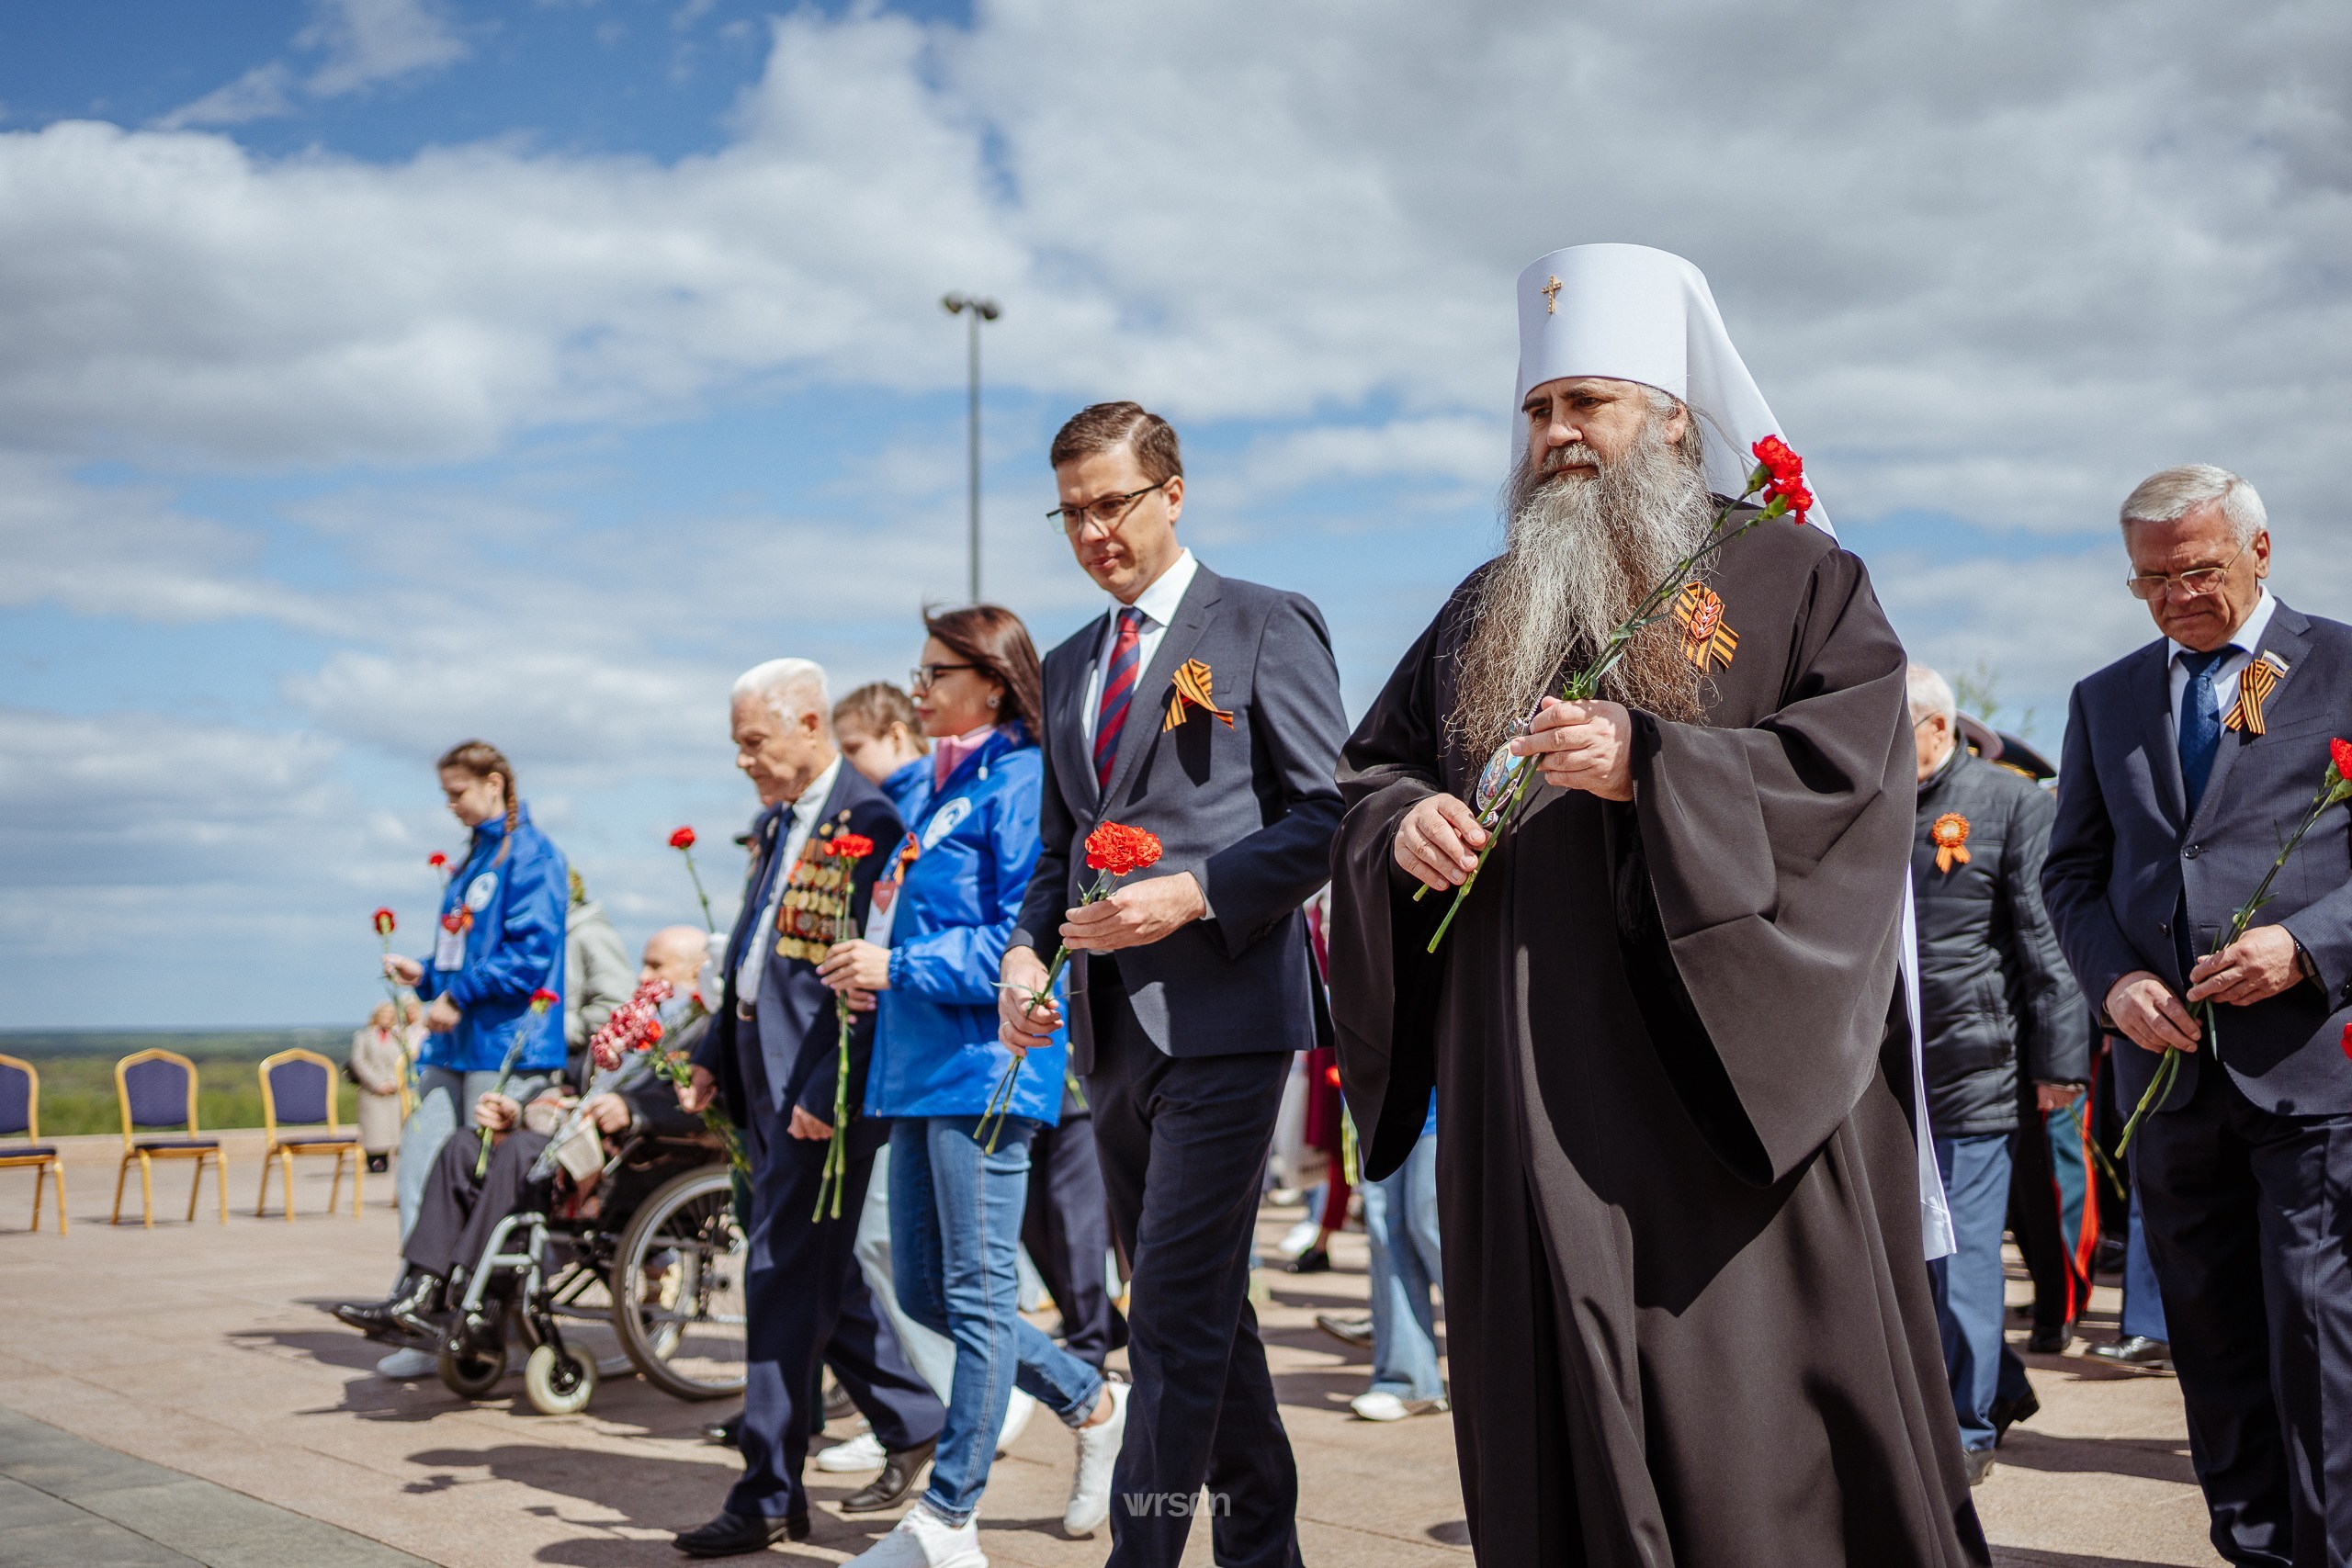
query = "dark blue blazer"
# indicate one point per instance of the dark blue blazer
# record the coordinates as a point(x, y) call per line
point(787, 1054)
point(2125, 849)
point(1249, 810)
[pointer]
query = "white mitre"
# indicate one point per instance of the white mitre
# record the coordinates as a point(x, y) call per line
point(1632, 314)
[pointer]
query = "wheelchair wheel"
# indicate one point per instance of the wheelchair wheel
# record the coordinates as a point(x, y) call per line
point(558, 1383)
point(473, 1359)
point(677, 1287)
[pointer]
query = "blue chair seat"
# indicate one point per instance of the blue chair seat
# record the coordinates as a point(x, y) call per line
point(293, 1140)
point(12, 1153)
point(162, 1145)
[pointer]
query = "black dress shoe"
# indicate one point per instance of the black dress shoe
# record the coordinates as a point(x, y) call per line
point(397, 1318)
point(725, 1434)
point(839, 1405)
point(900, 1470)
point(731, 1535)
point(2049, 1339)
point(2138, 1352)
point(1314, 1260)
point(2007, 1412)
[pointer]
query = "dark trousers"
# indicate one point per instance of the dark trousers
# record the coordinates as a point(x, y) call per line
point(458, 1209)
point(2247, 1214)
point(805, 1301)
point(2037, 1215)
point(1066, 1229)
point(1183, 1146)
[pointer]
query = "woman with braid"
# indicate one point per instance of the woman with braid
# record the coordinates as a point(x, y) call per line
point(500, 937)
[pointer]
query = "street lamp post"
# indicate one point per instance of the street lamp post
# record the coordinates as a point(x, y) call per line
point(982, 310)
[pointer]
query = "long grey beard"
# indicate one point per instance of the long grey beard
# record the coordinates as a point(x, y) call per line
point(1580, 555)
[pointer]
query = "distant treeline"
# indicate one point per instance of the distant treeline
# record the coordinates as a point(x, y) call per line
point(76, 1066)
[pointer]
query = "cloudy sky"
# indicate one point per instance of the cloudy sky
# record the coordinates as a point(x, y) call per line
point(374, 373)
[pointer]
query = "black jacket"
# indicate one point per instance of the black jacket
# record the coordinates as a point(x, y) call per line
point(1992, 985)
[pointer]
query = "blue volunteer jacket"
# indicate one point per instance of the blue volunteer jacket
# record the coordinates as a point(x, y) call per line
point(935, 1050)
point(909, 788)
point(515, 947)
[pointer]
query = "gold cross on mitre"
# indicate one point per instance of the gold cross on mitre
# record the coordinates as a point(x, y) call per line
point(1550, 292)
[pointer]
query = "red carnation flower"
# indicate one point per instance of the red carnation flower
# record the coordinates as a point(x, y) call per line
point(1800, 502)
point(2340, 753)
point(684, 838)
point(1120, 850)
point(436, 860)
point(2346, 1041)
point(1779, 460)
point(849, 846)
point(384, 922)
point(543, 999)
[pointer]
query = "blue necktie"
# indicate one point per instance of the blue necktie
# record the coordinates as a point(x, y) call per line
point(2201, 724)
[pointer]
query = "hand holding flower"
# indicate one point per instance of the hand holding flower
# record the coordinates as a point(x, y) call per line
point(1026, 1008)
point(1135, 915)
point(496, 1113)
point(2256, 967)
point(855, 965)
point(406, 971)
point(1586, 746)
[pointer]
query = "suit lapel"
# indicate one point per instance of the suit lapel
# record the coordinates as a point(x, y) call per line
point(755, 887)
point(2152, 701)
point(2284, 636)
point(1066, 724)
point(1145, 712)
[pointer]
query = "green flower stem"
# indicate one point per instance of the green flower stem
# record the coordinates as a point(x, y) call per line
point(2332, 789)
point(709, 926)
point(1001, 1096)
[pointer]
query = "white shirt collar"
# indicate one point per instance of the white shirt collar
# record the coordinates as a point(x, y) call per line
point(2247, 637)
point(1158, 602)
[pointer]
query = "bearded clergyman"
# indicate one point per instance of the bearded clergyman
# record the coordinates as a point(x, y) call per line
point(1678, 1176)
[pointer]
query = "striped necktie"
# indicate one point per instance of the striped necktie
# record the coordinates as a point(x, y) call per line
point(1118, 691)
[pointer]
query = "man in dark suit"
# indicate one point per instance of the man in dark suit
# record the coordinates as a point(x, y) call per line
point(773, 1056)
point(1206, 710)
point(2186, 764)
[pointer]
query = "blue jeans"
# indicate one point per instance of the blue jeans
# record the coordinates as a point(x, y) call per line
point(1968, 1284)
point(2144, 1306)
point(445, 1103)
point(1400, 1219)
point(955, 1231)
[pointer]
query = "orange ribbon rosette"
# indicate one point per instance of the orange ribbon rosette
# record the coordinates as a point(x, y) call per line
point(1950, 835)
point(1193, 681)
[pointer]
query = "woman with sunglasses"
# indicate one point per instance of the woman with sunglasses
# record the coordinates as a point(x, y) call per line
point(955, 1207)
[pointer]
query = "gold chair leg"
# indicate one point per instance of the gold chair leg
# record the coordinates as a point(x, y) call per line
point(195, 1188)
point(121, 1175)
point(40, 1172)
point(60, 1169)
point(219, 1183)
point(286, 1165)
point(147, 1188)
point(334, 1192)
point(261, 1203)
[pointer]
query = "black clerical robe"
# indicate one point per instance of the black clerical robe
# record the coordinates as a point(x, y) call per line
point(1686, 1306)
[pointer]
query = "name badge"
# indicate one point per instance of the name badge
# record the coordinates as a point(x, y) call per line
point(450, 949)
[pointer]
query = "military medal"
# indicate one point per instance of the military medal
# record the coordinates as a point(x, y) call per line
point(2254, 688)
point(1706, 641)
point(1950, 835)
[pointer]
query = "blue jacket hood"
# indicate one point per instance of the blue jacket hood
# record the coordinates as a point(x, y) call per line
point(518, 887)
point(975, 843)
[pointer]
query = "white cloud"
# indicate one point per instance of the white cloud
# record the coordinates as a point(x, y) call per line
point(364, 42)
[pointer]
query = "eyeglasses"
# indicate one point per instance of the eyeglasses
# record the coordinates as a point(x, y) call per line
point(1105, 514)
point(922, 677)
point(2196, 581)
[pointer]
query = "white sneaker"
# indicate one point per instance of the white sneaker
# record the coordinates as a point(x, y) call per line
point(1098, 1452)
point(861, 1452)
point(1298, 1238)
point(407, 1364)
point(1016, 1417)
point(1378, 1405)
point(923, 1540)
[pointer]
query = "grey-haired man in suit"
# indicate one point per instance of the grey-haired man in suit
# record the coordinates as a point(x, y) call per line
point(2186, 765)
point(1205, 710)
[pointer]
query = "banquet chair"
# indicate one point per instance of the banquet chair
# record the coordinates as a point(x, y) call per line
point(157, 1091)
point(20, 1113)
point(298, 1088)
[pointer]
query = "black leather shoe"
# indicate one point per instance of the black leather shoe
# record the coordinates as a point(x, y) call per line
point(2007, 1412)
point(723, 1434)
point(900, 1470)
point(1979, 1462)
point(2138, 1352)
point(395, 1319)
point(731, 1535)
point(839, 1405)
point(2049, 1339)
point(1314, 1260)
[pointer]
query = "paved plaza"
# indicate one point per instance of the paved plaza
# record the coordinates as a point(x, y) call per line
point(174, 1396)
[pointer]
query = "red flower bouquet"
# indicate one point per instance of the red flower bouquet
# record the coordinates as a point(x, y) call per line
point(842, 851)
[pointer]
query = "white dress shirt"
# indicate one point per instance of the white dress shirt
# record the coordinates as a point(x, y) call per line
point(799, 820)
point(1158, 604)
point(2241, 647)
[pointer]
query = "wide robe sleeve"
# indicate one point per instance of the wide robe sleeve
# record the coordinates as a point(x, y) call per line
point(1776, 852)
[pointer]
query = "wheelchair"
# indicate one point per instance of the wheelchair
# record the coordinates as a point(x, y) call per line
point(667, 1277)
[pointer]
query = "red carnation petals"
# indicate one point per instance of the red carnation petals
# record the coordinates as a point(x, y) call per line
point(2347, 1040)
point(1120, 850)
point(849, 846)
point(1779, 461)
point(543, 999)
point(684, 838)
point(436, 860)
point(2340, 753)
point(383, 922)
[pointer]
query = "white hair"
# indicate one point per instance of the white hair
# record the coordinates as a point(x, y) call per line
point(793, 689)
point(2173, 493)
point(1930, 694)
